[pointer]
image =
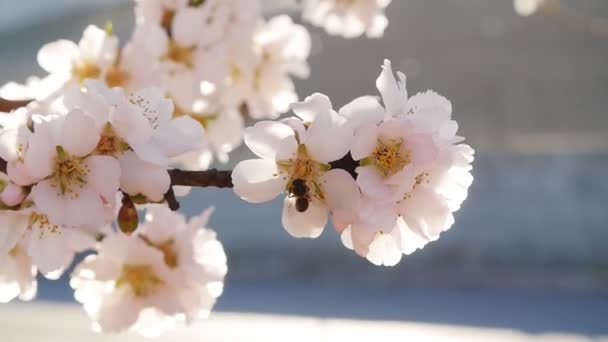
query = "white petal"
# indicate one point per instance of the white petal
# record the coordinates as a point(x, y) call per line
point(187, 28)
point(39, 157)
point(362, 111)
point(385, 250)
point(80, 133)
point(50, 252)
point(12, 227)
point(328, 138)
point(372, 183)
point(257, 180)
point(312, 106)
point(394, 95)
point(309, 224)
point(58, 56)
point(341, 191)
point(365, 141)
point(104, 175)
point(154, 185)
point(266, 137)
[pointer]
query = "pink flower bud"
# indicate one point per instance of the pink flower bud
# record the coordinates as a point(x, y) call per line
point(12, 195)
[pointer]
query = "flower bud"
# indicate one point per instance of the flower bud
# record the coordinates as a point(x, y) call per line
point(12, 195)
point(127, 216)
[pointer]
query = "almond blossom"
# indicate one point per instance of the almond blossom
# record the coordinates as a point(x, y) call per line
point(262, 81)
point(170, 272)
point(75, 185)
point(139, 131)
point(385, 225)
point(348, 18)
point(92, 57)
point(298, 149)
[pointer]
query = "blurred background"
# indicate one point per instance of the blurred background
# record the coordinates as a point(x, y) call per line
point(529, 250)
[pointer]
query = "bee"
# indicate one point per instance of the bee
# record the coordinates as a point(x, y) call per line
point(300, 190)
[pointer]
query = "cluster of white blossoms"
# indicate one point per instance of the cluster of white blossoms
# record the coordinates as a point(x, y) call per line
point(116, 132)
point(390, 175)
point(68, 175)
point(348, 18)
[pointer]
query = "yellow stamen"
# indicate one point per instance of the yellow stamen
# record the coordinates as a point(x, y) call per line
point(180, 54)
point(388, 158)
point(70, 172)
point(84, 70)
point(141, 278)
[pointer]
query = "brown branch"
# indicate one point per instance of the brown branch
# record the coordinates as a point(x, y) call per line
point(212, 177)
point(171, 200)
point(9, 105)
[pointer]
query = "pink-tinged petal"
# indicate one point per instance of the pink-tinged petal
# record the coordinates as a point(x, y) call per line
point(364, 144)
point(18, 173)
point(97, 46)
point(257, 180)
point(411, 237)
point(12, 194)
point(341, 191)
point(312, 106)
point(9, 143)
point(363, 110)
point(372, 183)
point(50, 252)
point(428, 211)
point(424, 150)
point(297, 125)
point(12, 227)
point(190, 132)
point(39, 157)
point(58, 56)
point(154, 185)
point(80, 133)
point(187, 26)
point(309, 224)
point(49, 201)
point(429, 110)
point(104, 175)
point(328, 137)
point(385, 250)
point(362, 235)
point(266, 137)
point(394, 94)
point(85, 209)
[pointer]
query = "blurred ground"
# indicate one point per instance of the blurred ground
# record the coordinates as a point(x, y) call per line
point(528, 250)
point(43, 322)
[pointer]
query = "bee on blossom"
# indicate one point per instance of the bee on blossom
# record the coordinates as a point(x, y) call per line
point(410, 170)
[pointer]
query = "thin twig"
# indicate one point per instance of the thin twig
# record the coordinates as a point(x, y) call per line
point(8, 105)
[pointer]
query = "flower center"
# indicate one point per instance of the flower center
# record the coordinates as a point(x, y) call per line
point(141, 278)
point(117, 77)
point(110, 143)
point(84, 70)
point(42, 224)
point(167, 248)
point(388, 157)
point(70, 172)
point(304, 168)
point(180, 54)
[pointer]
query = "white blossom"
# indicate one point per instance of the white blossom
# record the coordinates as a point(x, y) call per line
point(171, 271)
point(92, 57)
point(387, 222)
point(348, 18)
point(527, 7)
point(75, 186)
point(299, 150)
